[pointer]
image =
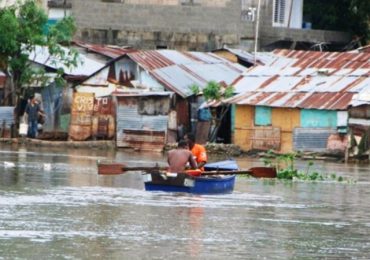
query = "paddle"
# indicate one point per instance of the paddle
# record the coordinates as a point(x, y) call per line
point(120, 168)
point(257, 172)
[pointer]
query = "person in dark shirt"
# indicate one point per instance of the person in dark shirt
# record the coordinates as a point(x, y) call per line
point(33, 112)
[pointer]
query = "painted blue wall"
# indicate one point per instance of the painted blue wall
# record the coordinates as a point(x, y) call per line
point(312, 118)
point(262, 116)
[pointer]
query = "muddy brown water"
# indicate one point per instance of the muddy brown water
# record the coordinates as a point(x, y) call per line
point(54, 206)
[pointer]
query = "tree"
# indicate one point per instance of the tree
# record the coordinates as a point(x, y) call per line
point(214, 92)
point(22, 28)
point(343, 15)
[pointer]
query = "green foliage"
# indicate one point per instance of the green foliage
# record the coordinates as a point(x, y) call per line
point(286, 170)
point(195, 89)
point(343, 15)
point(62, 32)
point(215, 92)
point(212, 91)
point(229, 92)
point(21, 29)
point(8, 39)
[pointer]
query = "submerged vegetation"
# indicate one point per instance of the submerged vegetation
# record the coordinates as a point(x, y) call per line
point(286, 169)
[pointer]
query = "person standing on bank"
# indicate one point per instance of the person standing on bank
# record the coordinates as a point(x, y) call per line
point(180, 157)
point(33, 112)
point(198, 151)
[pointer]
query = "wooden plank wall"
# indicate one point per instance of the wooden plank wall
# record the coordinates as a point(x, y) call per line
point(286, 119)
point(247, 136)
point(244, 118)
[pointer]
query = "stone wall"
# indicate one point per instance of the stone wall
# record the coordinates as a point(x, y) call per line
point(183, 24)
point(165, 23)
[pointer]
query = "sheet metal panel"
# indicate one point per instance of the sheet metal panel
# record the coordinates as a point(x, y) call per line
point(207, 57)
point(52, 101)
point(325, 59)
point(179, 58)
point(272, 71)
point(150, 60)
point(100, 78)
point(135, 130)
point(177, 71)
point(243, 55)
point(311, 139)
point(362, 85)
point(248, 84)
point(361, 98)
point(81, 116)
point(7, 116)
point(85, 66)
point(129, 118)
point(178, 80)
point(216, 72)
point(333, 101)
point(282, 84)
point(105, 50)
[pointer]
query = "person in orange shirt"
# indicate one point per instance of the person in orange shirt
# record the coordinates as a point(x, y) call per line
point(198, 151)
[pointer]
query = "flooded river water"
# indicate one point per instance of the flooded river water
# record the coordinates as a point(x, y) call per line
point(54, 206)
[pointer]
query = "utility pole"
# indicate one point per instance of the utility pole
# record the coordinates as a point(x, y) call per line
point(65, 8)
point(257, 31)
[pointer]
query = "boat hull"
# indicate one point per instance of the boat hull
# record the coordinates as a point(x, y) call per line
point(185, 183)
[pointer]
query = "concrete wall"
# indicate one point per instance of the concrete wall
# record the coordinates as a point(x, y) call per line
point(178, 24)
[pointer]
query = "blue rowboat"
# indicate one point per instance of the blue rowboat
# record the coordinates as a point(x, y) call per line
point(181, 182)
point(227, 165)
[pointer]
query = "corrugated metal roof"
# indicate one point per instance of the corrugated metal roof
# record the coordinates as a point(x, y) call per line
point(177, 79)
point(307, 100)
point(141, 94)
point(244, 55)
point(109, 51)
point(305, 79)
point(177, 71)
point(85, 65)
point(151, 60)
point(364, 49)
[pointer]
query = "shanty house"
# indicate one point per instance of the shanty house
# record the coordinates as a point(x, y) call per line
point(144, 120)
point(298, 101)
point(57, 101)
point(163, 71)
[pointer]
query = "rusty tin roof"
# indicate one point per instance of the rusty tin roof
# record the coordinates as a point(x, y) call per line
point(304, 79)
point(110, 51)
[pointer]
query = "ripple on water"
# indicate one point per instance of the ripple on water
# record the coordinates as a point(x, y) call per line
point(83, 196)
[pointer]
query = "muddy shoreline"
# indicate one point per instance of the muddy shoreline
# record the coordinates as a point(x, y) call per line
point(229, 150)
